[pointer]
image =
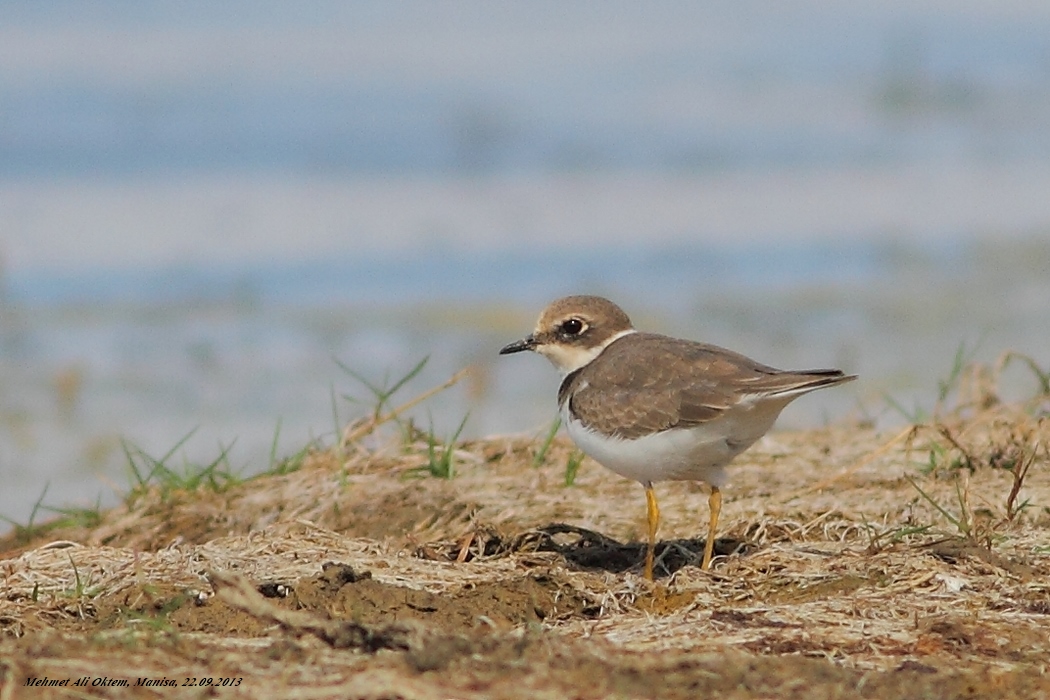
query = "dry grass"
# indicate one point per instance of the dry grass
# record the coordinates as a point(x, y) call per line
point(912, 564)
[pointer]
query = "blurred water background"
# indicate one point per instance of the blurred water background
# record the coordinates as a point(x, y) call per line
point(205, 208)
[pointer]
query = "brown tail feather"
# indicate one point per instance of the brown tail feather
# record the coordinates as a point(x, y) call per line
point(809, 380)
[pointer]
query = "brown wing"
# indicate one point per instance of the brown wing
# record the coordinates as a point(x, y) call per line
point(679, 384)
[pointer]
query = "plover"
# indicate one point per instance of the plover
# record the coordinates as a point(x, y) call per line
point(654, 408)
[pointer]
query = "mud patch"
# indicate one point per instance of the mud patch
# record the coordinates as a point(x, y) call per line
point(343, 594)
point(740, 618)
point(165, 608)
point(397, 514)
point(832, 587)
point(961, 634)
point(954, 549)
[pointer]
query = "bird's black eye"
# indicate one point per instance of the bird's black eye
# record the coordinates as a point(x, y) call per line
point(573, 326)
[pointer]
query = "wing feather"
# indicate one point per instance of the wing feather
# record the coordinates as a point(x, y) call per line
point(679, 384)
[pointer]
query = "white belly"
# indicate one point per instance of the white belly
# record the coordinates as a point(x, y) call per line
point(694, 454)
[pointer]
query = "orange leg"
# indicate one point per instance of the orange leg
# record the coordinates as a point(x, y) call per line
point(653, 513)
point(715, 504)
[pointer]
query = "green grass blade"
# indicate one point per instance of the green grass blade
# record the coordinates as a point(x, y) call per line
point(541, 454)
point(951, 518)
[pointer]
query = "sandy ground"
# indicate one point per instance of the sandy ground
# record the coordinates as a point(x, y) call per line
point(853, 564)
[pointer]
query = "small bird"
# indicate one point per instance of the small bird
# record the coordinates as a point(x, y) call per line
point(654, 408)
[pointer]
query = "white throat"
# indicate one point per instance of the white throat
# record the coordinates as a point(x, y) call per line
point(568, 359)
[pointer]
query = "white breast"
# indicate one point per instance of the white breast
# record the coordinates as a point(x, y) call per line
point(687, 454)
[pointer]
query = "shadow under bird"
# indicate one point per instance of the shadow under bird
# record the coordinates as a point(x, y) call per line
point(654, 408)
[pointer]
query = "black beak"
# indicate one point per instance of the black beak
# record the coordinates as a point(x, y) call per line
point(526, 343)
